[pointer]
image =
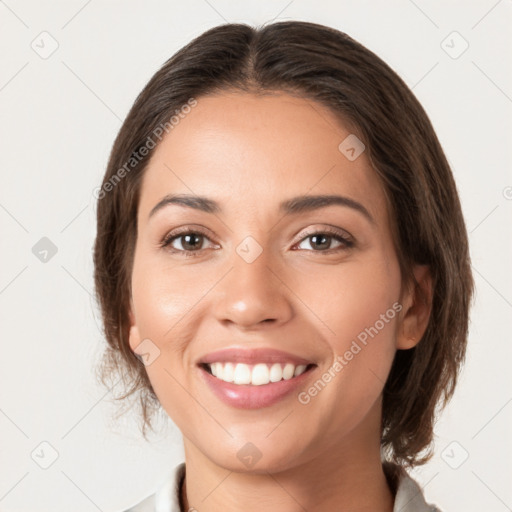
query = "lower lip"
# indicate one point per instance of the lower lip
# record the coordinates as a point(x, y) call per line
point(247, 396)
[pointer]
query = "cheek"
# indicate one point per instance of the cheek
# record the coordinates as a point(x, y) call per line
point(347, 300)
point(162, 297)
point(162, 301)
point(167, 301)
point(367, 309)
point(359, 310)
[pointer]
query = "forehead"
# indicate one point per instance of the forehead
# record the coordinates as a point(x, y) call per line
point(257, 150)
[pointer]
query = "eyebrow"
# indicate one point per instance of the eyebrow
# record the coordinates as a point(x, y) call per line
point(291, 206)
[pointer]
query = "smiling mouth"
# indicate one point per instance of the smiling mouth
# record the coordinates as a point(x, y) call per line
point(259, 374)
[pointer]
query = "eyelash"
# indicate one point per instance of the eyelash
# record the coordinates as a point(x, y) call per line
point(346, 242)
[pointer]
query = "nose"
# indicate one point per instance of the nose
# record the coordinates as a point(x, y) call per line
point(252, 295)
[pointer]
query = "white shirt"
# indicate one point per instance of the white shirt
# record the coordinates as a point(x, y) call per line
point(409, 496)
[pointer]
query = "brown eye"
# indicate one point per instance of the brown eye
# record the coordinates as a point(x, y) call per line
point(188, 243)
point(322, 241)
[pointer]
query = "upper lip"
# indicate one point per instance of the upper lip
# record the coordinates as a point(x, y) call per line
point(252, 356)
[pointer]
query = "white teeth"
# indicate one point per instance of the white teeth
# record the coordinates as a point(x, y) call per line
point(288, 371)
point(299, 370)
point(276, 373)
point(260, 375)
point(228, 373)
point(257, 375)
point(242, 374)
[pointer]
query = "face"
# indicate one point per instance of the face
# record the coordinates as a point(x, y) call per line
point(313, 288)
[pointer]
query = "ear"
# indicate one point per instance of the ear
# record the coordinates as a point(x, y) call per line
point(417, 305)
point(134, 337)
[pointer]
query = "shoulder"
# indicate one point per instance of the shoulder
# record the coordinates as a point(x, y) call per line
point(166, 497)
point(409, 496)
point(147, 505)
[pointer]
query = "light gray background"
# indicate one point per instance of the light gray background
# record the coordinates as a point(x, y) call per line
point(59, 117)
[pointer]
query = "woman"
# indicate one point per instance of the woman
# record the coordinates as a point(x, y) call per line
point(282, 265)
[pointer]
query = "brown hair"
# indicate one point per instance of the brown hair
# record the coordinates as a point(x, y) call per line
point(324, 65)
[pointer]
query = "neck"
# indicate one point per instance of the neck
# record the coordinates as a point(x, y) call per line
point(347, 475)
